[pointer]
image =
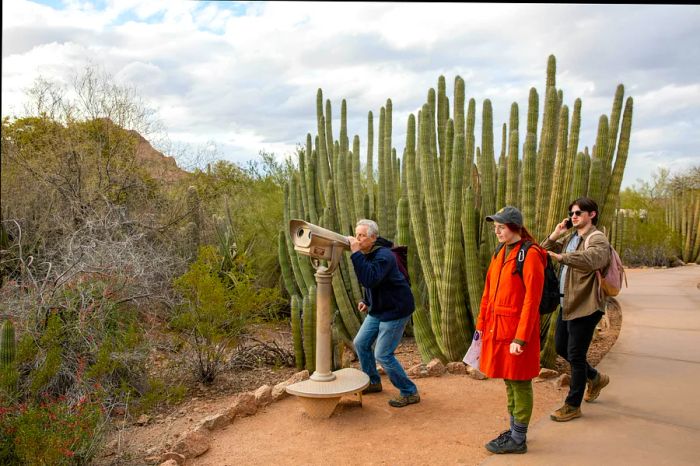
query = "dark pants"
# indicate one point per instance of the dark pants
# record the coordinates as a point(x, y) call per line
point(572, 339)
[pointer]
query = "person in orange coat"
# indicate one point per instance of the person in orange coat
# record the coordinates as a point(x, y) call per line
point(509, 324)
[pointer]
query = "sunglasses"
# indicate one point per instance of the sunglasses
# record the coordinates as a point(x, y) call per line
point(576, 213)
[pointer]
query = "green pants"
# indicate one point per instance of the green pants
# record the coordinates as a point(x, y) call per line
point(519, 400)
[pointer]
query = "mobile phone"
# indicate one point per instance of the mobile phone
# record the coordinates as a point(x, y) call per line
point(569, 223)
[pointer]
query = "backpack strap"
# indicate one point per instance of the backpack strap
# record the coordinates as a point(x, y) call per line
point(498, 249)
point(585, 243)
point(520, 260)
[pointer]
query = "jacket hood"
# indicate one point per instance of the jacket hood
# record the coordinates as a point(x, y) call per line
point(381, 243)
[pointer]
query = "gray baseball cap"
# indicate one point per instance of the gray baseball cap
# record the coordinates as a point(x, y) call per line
point(508, 214)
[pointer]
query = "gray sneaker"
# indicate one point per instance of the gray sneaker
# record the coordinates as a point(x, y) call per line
point(504, 443)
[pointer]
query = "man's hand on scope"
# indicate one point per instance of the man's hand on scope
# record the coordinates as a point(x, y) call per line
point(354, 244)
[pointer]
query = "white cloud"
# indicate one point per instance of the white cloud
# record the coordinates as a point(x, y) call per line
point(246, 75)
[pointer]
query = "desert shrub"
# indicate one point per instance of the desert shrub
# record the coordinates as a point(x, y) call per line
point(51, 431)
point(217, 306)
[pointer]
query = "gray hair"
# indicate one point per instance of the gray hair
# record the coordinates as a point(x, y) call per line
point(372, 227)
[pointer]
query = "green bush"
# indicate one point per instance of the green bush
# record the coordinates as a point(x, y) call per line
point(217, 306)
point(50, 432)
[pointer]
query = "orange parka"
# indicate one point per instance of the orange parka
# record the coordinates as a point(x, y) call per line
point(510, 311)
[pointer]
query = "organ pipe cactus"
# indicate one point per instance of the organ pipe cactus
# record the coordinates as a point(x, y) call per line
point(436, 196)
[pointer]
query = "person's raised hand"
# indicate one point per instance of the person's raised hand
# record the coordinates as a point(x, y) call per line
point(559, 230)
point(354, 244)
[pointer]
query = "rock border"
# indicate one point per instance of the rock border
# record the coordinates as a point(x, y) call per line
point(195, 442)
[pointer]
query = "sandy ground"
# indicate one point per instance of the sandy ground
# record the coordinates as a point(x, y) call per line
point(450, 425)
point(457, 415)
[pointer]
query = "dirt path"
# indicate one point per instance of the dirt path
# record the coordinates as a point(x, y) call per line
point(456, 417)
point(450, 425)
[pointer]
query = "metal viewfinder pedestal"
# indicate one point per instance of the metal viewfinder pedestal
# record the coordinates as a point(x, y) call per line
point(322, 392)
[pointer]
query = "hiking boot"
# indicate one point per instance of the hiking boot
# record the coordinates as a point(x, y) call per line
point(565, 413)
point(401, 401)
point(373, 388)
point(504, 443)
point(595, 386)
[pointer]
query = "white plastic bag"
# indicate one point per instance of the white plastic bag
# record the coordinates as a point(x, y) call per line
point(473, 355)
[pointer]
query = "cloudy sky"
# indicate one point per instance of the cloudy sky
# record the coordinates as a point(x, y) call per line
point(245, 75)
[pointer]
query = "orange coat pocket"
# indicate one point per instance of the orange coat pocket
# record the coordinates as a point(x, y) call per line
point(507, 319)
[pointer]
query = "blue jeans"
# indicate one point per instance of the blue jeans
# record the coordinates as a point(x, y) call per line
point(387, 336)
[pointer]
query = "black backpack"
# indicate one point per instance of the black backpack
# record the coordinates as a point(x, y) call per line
point(550, 290)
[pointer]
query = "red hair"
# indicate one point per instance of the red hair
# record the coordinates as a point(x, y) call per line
point(522, 231)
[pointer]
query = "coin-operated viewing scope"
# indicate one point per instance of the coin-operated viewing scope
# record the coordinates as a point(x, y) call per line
point(318, 243)
point(322, 392)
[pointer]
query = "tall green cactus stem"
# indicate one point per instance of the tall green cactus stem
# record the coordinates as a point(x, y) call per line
point(579, 186)
point(9, 373)
point(470, 138)
point(382, 214)
point(501, 181)
point(8, 343)
point(613, 193)
point(357, 192)
point(390, 225)
point(545, 161)
point(512, 193)
point(443, 114)
point(370, 168)
point(346, 160)
point(402, 223)
point(533, 109)
point(488, 190)
point(596, 184)
point(303, 155)
point(449, 152)
point(572, 151)
point(614, 124)
point(432, 105)
point(548, 352)
point(309, 324)
point(454, 308)
point(474, 272)
point(529, 180)
point(328, 119)
point(323, 145)
point(427, 325)
point(343, 200)
point(312, 201)
point(296, 305)
point(559, 189)
point(286, 265)
point(293, 257)
point(433, 201)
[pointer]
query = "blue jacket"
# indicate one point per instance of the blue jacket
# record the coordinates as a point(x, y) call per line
point(387, 293)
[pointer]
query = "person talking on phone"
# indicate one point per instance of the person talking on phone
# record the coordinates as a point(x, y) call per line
point(581, 305)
